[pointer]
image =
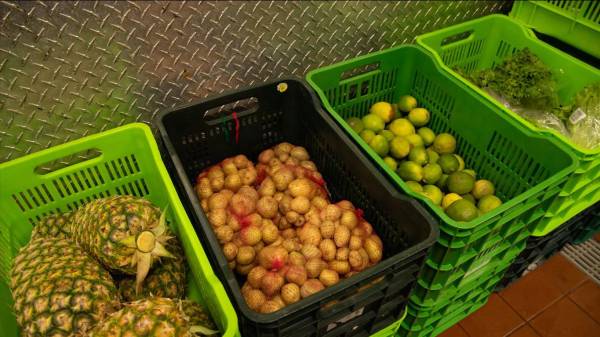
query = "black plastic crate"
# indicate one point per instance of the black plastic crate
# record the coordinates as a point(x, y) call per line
point(287, 110)
point(540, 248)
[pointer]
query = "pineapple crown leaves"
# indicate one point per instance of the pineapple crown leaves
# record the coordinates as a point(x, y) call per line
point(148, 244)
point(196, 328)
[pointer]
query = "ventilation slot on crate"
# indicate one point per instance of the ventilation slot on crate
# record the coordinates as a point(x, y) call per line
point(122, 167)
point(137, 188)
point(33, 198)
point(432, 96)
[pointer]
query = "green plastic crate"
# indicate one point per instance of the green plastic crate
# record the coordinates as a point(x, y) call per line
point(430, 321)
point(125, 161)
point(576, 22)
point(495, 145)
point(485, 42)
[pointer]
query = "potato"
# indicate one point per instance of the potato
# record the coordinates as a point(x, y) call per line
point(309, 165)
point(356, 261)
point(296, 274)
point(345, 205)
point(267, 187)
point(300, 204)
point(267, 207)
point(290, 293)
point(299, 153)
point(258, 247)
point(250, 235)
point(312, 217)
point(245, 255)
point(327, 229)
point(355, 242)
point(270, 233)
point(215, 172)
point(270, 306)
point(241, 161)
point(282, 178)
point(233, 222)
point(271, 283)
point(217, 217)
point(310, 235)
point(291, 245)
point(341, 236)
point(255, 276)
point(230, 251)
point(310, 251)
point(319, 202)
point(233, 182)
point(224, 234)
point(242, 204)
point(273, 258)
point(231, 264)
point(349, 219)
point(329, 277)
point(297, 259)
point(341, 267)
point(204, 191)
point(244, 269)
point(250, 192)
point(310, 287)
point(288, 233)
point(228, 166)
point(314, 267)
point(373, 249)
point(266, 156)
point(301, 187)
point(217, 201)
point(217, 184)
point(342, 254)
point(328, 249)
point(255, 299)
point(204, 205)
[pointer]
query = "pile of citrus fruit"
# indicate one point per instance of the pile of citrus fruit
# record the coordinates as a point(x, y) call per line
point(426, 161)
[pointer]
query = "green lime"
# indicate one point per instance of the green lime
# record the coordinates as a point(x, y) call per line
point(383, 110)
point(418, 116)
point(391, 163)
point(471, 172)
point(443, 181)
point(418, 155)
point(401, 127)
point(373, 122)
point(407, 103)
point(461, 162)
point(367, 135)
point(482, 188)
point(460, 182)
point(488, 203)
point(433, 156)
point(399, 147)
point(380, 145)
point(356, 124)
point(443, 143)
point(433, 193)
point(415, 140)
point(408, 170)
point(449, 163)
point(427, 134)
point(462, 210)
point(432, 173)
point(389, 135)
point(414, 186)
point(469, 197)
point(449, 199)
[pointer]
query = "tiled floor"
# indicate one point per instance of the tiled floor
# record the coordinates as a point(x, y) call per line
point(555, 300)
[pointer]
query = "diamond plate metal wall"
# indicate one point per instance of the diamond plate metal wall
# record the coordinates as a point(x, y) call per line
point(68, 69)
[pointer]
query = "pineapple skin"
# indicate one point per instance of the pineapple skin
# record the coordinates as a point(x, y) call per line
point(151, 317)
point(101, 224)
point(166, 279)
point(53, 225)
point(58, 290)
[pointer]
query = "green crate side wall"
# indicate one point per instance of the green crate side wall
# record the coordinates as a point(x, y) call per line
point(118, 172)
point(486, 48)
point(570, 21)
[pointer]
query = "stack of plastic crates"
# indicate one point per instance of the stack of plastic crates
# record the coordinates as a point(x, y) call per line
point(469, 258)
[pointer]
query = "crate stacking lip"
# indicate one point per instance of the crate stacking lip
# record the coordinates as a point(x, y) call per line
point(495, 145)
point(63, 177)
point(485, 42)
point(576, 22)
point(286, 110)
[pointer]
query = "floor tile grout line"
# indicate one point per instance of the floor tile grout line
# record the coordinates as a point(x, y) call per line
point(584, 310)
point(538, 313)
point(523, 321)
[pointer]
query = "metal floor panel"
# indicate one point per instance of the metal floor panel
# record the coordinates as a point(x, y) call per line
point(68, 69)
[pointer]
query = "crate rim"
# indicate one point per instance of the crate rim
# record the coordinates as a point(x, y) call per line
point(343, 284)
point(43, 156)
point(530, 35)
point(434, 208)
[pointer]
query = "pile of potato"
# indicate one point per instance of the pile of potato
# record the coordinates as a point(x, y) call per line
point(277, 226)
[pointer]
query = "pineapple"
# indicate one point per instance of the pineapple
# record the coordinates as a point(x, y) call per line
point(125, 233)
point(54, 225)
point(167, 279)
point(58, 290)
point(153, 317)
